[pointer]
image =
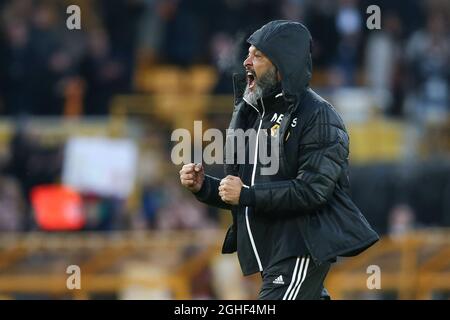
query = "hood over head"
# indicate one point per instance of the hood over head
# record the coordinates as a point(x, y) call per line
point(288, 45)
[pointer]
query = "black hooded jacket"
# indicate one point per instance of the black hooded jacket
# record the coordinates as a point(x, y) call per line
point(306, 206)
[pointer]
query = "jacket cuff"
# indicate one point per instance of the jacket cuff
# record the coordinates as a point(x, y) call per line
point(247, 196)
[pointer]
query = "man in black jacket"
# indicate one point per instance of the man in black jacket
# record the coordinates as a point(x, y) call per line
point(290, 225)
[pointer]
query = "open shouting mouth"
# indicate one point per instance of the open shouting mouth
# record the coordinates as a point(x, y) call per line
point(251, 79)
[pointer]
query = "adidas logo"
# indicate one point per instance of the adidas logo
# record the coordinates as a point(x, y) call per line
point(279, 280)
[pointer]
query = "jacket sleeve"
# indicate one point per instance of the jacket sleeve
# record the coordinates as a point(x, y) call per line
point(323, 153)
point(209, 193)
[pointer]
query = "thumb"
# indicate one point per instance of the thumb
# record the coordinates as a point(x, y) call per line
point(198, 167)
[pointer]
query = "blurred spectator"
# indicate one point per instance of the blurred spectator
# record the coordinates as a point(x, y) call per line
point(383, 63)
point(32, 164)
point(151, 29)
point(428, 55)
point(152, 173)
point(11, 205)
point(103, 73)
point(349, 26)
point(152, 201)
point(227, 281)
point(180, 212)
point(33, 57)
point(321, 21)
point(182, 42)
point(17, 62)
point(201, 285)
point(401, 220)
point(103, 213)
point(52, 63)
point(120, 19)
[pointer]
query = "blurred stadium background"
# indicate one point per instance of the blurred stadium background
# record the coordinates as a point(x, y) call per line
point(85, 123)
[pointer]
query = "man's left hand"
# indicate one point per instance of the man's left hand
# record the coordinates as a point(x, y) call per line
point(230, 189)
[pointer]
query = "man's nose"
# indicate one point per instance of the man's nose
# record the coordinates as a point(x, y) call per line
point(247, 62)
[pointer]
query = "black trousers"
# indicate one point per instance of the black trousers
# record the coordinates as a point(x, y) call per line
point(296, 278)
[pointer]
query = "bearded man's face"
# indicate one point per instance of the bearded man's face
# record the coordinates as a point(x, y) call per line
point(261, 74)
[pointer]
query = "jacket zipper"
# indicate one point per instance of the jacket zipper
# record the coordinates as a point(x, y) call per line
point(316, 261)
point(255, 163)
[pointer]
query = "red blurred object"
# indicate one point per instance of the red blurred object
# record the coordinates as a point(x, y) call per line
point(57, 208)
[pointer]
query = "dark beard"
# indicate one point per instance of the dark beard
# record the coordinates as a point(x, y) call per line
point(268, 82)
point(264, 86)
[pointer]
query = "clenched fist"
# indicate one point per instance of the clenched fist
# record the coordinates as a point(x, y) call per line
point(230, 189)
point(192, 176)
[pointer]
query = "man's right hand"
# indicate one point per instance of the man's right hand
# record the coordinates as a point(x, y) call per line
point(192, 176)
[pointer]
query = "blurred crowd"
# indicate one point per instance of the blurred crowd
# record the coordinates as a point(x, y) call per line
point(41, 59)
point(406, 64)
